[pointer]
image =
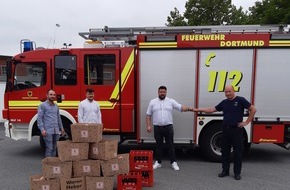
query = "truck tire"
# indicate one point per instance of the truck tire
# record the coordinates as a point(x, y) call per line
point(210, 142)
point(66, 125)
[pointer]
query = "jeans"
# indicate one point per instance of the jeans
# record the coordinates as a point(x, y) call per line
point(160, 133)
point(50, 144)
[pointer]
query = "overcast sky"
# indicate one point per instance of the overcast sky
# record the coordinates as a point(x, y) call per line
point(36, 19)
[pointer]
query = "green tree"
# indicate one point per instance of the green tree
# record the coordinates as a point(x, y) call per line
point(238, 16)
point(270, 12)
point(176, 19)
point(207, 12)
point(219, 12)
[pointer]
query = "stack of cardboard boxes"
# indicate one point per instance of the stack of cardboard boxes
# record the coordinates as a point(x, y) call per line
point(88, 162)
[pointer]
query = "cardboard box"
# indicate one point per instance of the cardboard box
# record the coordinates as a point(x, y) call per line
point(86, 168)
point(78, 183)
point(115, 166)
point(104, 150)
point(52, 167)
point(69, 151)
point(86, 132)
point(99, 183)
point(38, 182)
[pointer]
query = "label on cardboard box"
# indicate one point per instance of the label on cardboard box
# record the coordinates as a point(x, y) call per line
point(75, 152)
point(100, 185)
point(56, 170)
point(73, 183)
point(85, 134)
point(95, 150)
point(45, 187)
point(115, 167)
point(87, 169)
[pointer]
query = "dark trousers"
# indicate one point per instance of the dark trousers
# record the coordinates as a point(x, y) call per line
point(161, 133)
point(232, 137)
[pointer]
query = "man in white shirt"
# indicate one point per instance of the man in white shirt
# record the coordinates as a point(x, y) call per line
point(160, 113)
point(89, 110)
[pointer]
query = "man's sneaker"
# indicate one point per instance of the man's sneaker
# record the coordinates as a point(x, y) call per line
point(174, 166)
point(156, 165)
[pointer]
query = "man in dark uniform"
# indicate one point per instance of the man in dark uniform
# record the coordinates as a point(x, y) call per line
point(233, 110)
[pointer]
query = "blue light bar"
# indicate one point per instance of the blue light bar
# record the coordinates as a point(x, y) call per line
point(27, 46)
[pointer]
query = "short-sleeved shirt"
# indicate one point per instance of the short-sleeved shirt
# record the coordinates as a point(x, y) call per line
point(233, 110)
point(161, 110)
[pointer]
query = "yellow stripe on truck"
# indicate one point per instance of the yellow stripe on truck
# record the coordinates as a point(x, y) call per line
point(124, 76)
point(19, 104)
point(143, 45)
point(279, 43)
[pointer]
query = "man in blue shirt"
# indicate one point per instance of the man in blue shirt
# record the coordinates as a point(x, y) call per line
point(233, 110)
point(49, 123)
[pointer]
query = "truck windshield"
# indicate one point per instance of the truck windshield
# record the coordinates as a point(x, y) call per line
point(29, 75)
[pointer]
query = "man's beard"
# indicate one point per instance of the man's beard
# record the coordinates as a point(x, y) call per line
point(51, 99)
point(161, 97)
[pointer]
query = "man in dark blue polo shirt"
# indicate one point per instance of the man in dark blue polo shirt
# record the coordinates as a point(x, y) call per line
point(233, 110)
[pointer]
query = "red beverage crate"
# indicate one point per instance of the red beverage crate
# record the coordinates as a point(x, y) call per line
point(141, 160)
point(147, 178)
point(130, 181)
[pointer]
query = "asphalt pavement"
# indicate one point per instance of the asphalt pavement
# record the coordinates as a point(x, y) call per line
point(266, 167)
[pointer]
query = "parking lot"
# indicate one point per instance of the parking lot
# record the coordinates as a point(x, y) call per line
point(266, 167)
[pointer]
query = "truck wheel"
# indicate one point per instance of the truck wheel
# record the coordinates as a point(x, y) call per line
point(66, 125)
point(210, 143)
point(211, 140)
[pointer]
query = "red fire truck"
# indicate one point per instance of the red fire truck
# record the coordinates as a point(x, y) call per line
point(125, 67)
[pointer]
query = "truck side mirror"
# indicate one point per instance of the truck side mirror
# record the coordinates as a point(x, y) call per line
point(58, 98)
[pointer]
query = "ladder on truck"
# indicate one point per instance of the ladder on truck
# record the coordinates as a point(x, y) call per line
point(129, 34)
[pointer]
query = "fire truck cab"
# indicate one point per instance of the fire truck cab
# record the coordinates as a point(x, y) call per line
point(125, 67)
